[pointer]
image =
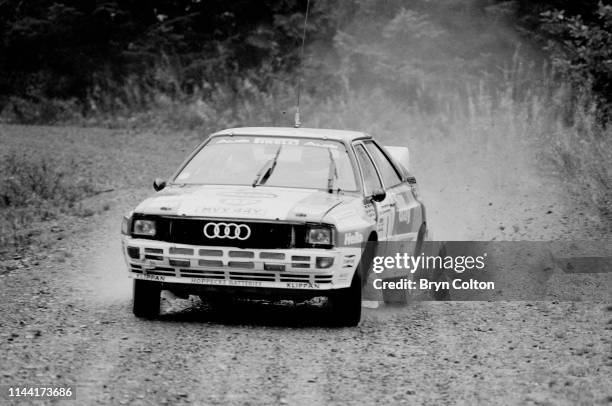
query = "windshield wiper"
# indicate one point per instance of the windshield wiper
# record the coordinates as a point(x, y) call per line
point(333, 172)
point(266, 171)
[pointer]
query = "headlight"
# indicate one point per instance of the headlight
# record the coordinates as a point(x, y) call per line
point(144, 227)
point(319, 236)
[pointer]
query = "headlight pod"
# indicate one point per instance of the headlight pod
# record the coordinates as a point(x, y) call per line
point(126, 222)
point(144, 227)
point(320, 235)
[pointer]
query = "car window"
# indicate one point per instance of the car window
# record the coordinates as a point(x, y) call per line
point(301, 163)
point(387, 171)
point(370, 177)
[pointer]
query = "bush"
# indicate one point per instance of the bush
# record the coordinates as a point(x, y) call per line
point(27, 182)
point(33, 191)
point(581, 51)
point(39, 110)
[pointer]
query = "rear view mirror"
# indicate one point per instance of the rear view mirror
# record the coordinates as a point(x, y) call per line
point(159, 184)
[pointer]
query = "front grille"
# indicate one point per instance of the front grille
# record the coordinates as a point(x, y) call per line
point(230, 264)
point(191, 232)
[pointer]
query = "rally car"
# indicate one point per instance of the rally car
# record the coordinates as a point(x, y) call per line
point(279, 213)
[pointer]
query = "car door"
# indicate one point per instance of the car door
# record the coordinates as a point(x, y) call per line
point(372, 184)
point(408, 210)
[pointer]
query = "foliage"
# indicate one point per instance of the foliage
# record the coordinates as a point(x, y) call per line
point(32, 191)
point(76, 49)
point(420, 51)
point(27, 181)
point(62, 60)
point(582, 49)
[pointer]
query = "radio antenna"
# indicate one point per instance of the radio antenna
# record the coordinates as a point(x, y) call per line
point(298, 123)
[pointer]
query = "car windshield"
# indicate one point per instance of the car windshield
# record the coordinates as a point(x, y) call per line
point(271, 161)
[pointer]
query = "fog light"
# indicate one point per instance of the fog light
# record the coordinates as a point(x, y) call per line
point(325, 262)
point(133, 252)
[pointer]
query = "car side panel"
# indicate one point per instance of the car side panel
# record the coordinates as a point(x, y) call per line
point(409, 213)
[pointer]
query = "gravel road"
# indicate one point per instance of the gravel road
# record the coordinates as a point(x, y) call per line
point(67, 319)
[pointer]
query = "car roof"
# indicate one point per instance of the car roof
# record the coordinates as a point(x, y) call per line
point(318, 133)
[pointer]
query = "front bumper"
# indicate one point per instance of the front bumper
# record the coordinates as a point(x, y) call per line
point(230, 267)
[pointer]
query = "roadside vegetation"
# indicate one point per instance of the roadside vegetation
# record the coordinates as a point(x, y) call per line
point(34, 190)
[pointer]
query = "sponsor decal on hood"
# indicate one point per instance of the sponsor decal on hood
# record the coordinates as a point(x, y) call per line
point(242, 202)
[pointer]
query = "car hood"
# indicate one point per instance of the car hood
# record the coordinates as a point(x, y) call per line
point(243, 202)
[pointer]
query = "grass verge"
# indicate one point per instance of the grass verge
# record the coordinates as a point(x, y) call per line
point(34, 191)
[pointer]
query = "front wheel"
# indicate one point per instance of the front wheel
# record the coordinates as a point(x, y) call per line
point(147, 299)
point(346, 304)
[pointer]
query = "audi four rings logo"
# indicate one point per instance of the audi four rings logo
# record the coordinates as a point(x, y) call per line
point(231, 231)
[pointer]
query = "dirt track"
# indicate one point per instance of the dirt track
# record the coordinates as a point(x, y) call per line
point(68, 320)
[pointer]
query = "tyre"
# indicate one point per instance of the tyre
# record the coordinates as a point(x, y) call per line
point(399, 297)
point(346, 304)
point(146, 299)
point(365, 263)
point(418, 248)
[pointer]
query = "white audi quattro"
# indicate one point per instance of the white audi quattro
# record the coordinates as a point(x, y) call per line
point(278, 213)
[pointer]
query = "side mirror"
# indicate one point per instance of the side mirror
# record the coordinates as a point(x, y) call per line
point(159, 184)
point(379, 195)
